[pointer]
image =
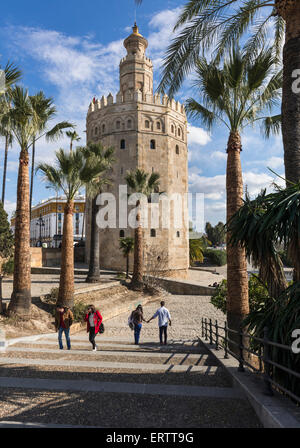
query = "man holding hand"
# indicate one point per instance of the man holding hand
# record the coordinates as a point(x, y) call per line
point(163, 320)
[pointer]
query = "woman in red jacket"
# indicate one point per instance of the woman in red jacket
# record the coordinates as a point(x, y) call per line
point(94, 320)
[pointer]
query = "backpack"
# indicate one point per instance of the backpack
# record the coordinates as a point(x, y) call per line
point(101, 329)
point(130, 321)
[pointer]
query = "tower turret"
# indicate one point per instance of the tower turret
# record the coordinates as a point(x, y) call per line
point(136, 70)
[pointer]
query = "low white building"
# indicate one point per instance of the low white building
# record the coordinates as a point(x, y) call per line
point(47, 220)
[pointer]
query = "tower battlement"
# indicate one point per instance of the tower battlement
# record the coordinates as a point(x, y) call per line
point(138, 97)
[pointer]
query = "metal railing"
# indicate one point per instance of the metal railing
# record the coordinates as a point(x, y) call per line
point(212, 332)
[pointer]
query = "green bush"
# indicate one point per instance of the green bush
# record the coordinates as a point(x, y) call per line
point(216, 257)
point(8, 267)
point(79, 311)
point(258, 294)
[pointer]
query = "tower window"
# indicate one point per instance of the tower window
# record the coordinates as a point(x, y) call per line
point(178, 234)
point(122, 233)
point(152, 144)
point(172, 129)
point(153, 233)
point(103, 128)
point(179, 132)
point(129, 124)
point(118, 125)
point(96, 130)
point(158, 126)
point(177, 149)
point(147, 124)
point(122, 144)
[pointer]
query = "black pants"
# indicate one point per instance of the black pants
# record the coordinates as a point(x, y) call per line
point(163, 332)
point(92, 337)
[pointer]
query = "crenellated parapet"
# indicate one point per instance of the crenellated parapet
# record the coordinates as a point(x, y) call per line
point(137, 97)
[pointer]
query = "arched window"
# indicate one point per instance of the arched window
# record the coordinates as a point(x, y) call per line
point(147, 124)
point(122, 233)
point(129, 124)
point(118, 124)
point(179, 132)
point(122, 144)
point(177, 149)
point(153, 233)
point(152, 144)
point(103, 128)
point(96, 130)
point(172, 129)
point(158, 126)
point(178, 234)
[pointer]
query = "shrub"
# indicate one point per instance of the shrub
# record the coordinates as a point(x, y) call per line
point(216, 257)
point(258, 294)
point(79, 311)
point(8, 267)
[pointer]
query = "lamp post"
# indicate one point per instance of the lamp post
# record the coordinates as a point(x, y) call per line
point(40, 223)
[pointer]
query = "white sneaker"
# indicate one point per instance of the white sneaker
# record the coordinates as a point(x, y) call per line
point(95, 349)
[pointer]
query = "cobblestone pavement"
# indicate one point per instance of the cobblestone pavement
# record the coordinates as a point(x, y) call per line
point(123, 385)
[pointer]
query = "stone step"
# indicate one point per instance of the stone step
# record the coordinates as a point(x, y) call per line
point(103, 345)
point(119, 387)
point(125, 409)
point(104, 355)
point(98, 364)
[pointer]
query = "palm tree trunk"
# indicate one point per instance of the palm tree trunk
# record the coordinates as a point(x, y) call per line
point(138, 267)
point(21, 296)
point(237, 276)
point(32, 175)
point(272, 274)
point(290, 109)
point(5, 168)
point(94, 266)
point(66, 284)
point(127, 266)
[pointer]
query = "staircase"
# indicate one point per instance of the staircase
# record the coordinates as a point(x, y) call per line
point(121, 385)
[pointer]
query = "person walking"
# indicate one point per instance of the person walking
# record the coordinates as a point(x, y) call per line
point(164, 318)
point(63, 321)
point(94, 320)
point(138, 318)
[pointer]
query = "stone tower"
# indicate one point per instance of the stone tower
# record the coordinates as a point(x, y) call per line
point(148, 132)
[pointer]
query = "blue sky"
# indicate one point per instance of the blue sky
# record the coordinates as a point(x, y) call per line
point(71, 50)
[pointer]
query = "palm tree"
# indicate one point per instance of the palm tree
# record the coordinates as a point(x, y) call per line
point(74, 137)
point(246, 229)
point(142, 183)
point(72, 172)
point(95, 153)
point(24, 127)
point(12, 75)
point(235, 95)
point(44, 111)
point(127, 247)
point(216, 25)
point(196, 250)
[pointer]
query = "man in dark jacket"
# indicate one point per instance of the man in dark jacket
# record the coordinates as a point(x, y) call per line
point(63, 321)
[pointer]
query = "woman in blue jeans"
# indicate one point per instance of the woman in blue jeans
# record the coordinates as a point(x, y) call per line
point(63, 321)
point(138, 318)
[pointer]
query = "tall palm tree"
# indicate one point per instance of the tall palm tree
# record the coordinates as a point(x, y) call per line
point(24, 127)
point(217, 25)
point(95, 153)
point(246, 228)
point(235, 95)
point(74, 137)
point(142, 183)
point(44, 111)
point(72, 172)
point(12, 75)
point(127, 247)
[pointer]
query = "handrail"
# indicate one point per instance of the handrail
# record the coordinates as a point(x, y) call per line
point(267, 365)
